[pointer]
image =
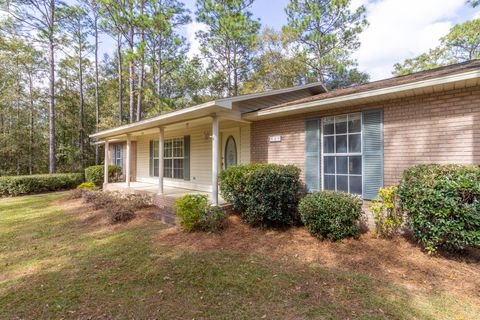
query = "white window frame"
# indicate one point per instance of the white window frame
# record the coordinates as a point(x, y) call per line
point(171, 157)
point(335, 154)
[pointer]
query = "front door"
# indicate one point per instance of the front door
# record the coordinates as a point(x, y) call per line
point(230, 148)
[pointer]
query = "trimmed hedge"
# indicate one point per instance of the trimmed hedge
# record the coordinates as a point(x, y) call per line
point(95, 174)
point(330, 214)
point(19, 185)
point(443, 205)
point(264, 194)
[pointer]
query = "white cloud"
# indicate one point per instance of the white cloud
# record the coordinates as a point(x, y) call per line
point(190, 31)
point(401, 29)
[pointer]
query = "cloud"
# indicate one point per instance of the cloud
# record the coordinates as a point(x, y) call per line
point(401, 29)
point(190, 31)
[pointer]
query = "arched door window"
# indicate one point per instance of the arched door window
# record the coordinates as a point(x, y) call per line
point(230, 153)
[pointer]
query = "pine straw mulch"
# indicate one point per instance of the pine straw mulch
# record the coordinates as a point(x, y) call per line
point(399, 260)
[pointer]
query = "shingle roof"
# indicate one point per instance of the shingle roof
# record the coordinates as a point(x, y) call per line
point(391, 82)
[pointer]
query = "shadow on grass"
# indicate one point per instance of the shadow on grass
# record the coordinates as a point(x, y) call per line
point(80, 272)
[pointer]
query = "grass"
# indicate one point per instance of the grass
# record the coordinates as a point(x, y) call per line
point(53, 266)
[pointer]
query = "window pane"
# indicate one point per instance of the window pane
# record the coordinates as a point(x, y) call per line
point(355, 185)
point(155, 167)
point(167, 170)
point(328, 145)
point(341, 144)
point(328, 126)
point(329, 182)
point(341, 124)
point(355, 165)
point(354, 123)
point(342, 165)
point(342, 183)
point(178, 168)
point(354, 143)
point(329, 165)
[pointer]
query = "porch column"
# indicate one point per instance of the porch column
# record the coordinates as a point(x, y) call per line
point(161, 140)
point(215, 160)
point(107, 161)
point(129, 148)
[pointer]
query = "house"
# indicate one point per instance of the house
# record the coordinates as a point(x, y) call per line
point(356, 139)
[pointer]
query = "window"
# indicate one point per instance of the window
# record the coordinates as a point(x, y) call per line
point(118, 155)
point(342, 153)
point(173, 158)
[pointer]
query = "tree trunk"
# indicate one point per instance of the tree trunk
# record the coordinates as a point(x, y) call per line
point(82, 126)
point(32, 106)
point(120, 82)
point(97, 99)
point(51, 93)
point(131, 74)
point(142, 68)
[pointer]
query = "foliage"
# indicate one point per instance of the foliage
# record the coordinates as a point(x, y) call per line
point(190, 209)
point(87, 186)
point(278, 63)
point(95, 174)
point(194, 213)
point(120, 213)
point(461, 44)
point(387, 214)
point(137, 201)
point(80, 190)
point(227, 45)
point(327, 31)
point(332, 215)
point(443, 205)
point(19, 185)
point(264, 194)
point(214, 219)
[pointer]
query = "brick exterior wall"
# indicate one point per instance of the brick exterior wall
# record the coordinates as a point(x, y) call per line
point(439, 127)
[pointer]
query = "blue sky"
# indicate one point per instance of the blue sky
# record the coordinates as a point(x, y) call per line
point(399, 29)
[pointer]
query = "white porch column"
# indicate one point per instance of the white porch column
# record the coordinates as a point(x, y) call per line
point(161, 140)
point(107, 161)
point(215, 160)
point(129, 149)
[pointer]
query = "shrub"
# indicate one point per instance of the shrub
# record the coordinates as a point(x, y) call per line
point(137, 201)
point(100, 199)
point(120, 213)
point(332, 215)
point(18, 185)
point(87, 186)
point(264, 194)
point(189, 210)
point(214, 219)
point(387, 213)
point(195, 214)
point(442, 203)
point(75, 194)
point(95, 174)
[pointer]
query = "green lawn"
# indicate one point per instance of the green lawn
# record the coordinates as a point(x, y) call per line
point(54, 266)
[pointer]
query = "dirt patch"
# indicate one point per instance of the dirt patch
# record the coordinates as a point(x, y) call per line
point(398, 259)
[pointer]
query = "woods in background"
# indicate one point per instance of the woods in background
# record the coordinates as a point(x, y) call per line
point(56, 88)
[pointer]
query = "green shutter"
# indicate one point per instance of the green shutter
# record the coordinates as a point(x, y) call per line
point(186, 158)
point(372, 153)
point(312, 155)
point(151, 158)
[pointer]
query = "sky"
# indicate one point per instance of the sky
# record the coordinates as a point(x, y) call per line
point(398, 29)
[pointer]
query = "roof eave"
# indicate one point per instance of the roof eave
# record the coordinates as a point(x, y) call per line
point(385, 93)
